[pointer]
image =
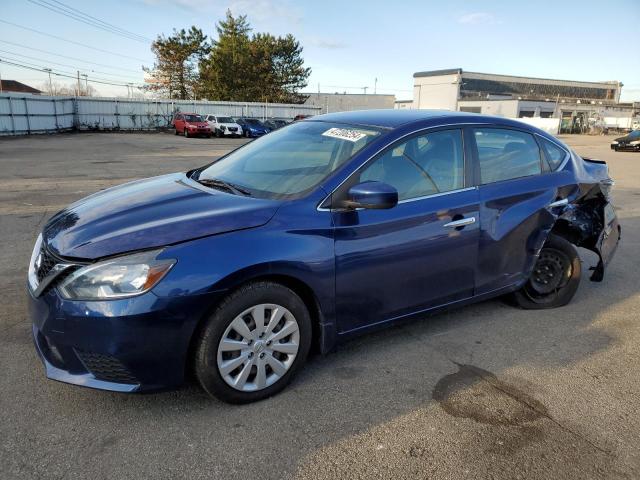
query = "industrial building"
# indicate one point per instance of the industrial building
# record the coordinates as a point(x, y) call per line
point(580, 106)
point(341, 102)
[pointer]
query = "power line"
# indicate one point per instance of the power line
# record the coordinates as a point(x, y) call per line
point(79, 16)
point(75, 70)
point(66, 75)
point(71, 41)
point(49, 62)
point(69, 58)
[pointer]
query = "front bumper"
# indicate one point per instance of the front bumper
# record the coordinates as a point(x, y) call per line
point(228, 133)
point(129, 345)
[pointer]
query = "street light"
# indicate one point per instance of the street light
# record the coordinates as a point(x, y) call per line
point(86, 84)
point(48, 70)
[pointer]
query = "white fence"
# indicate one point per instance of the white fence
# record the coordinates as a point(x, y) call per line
point(549, 125)
point(22, 114)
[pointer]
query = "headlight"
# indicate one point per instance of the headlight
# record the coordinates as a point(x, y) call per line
point(614, 143)
point(119, 277)
point(635, 142)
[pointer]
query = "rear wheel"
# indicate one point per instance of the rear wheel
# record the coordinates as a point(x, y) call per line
point(253, 344)
point(555, 277)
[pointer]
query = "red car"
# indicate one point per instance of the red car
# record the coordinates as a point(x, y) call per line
point(190, 125)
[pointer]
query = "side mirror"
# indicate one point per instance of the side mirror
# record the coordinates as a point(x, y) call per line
point(373, 195)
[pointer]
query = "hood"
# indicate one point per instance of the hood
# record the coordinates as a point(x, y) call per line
point(198, 124)
point(150, 213)
point(229, 125)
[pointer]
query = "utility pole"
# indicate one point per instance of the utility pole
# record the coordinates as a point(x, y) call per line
point(48, 70)
point(78, 87)
point(365, 90)
point(375, 86)
point(0, 81)
point(130, 89)
point(86, 84)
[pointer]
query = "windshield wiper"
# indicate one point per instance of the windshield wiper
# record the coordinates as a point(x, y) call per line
point(222, 185)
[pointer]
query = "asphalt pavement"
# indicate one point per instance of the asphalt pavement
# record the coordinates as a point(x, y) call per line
point(485, 391)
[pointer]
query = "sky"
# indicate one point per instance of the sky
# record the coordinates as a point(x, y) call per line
point(347, 44)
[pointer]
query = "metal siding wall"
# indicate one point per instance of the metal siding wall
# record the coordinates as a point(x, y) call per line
point(51, 114)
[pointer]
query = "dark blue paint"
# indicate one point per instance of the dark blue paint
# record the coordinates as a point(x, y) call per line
point(358, 269)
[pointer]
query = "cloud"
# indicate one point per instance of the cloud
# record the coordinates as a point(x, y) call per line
point(328, 44)
point(476, 18)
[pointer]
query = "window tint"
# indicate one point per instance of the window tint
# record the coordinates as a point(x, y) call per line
point(555, 154)
point(506, 154)
point(423, 165)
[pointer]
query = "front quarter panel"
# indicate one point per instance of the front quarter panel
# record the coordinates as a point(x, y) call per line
point(297, 243)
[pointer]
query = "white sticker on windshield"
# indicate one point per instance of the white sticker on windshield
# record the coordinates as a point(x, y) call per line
point(345, 134)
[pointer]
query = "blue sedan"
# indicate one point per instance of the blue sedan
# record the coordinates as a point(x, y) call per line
point(322, 230)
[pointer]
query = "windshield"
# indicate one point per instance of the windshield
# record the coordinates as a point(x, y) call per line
point(291, 160)
point(253, 121)
point(635, 134)
point(225, 120)
point(193, 118)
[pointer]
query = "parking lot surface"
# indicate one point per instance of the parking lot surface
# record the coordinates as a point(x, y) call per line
point(485, 391)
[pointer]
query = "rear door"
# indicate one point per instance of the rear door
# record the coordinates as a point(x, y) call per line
point(420, 254)
point(519, 187)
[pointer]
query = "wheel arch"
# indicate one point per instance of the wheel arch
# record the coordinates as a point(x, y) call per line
point(322, 334)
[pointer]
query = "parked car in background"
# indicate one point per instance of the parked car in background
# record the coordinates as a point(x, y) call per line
point(275, 123)
point(191, 125)
point(320, 231)
point(628, 142)
point(223, 126)
point(252, 127)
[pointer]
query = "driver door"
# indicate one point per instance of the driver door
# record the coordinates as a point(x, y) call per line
point(420, 254)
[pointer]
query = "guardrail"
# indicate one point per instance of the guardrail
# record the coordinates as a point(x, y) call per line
point(23, 114)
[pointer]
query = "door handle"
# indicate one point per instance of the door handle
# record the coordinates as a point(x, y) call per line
point(460, 223)
point(559, 203)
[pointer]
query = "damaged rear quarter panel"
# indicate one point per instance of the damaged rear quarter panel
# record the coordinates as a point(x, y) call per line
point(590, 221)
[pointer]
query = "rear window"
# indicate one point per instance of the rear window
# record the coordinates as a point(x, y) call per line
point(506, 154)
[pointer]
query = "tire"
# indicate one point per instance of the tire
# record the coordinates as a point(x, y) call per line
point(176, 132)
point(246, 133)
point(186, 132)
point(241, 306)
point(217, 133)
point(559, 266)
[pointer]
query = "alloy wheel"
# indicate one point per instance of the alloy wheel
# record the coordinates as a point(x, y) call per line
point(258, 347)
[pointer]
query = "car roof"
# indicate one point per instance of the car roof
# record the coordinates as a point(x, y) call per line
point(395, 118)
point(385, 118)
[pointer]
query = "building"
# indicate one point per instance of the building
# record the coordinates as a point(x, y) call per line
point(403, 105)
point(340, 102)
point(15, 86)
point(579, 105)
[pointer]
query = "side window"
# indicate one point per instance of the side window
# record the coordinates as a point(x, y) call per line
point(423, 165)
point(506, 154)
point(555, 154)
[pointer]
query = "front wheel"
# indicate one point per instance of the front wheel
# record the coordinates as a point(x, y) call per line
point(253, 344)
point(246, 133)
point(186, 133)
point(555, 277)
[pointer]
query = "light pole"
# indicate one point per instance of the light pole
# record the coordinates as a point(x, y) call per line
point(48, 70)
point(86, 84)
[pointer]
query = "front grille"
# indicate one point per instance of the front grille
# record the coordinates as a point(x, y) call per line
point(105, 367)
point(47, 262)
point(233, 129)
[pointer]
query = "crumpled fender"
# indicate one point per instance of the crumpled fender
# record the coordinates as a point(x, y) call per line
point(589, 220)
